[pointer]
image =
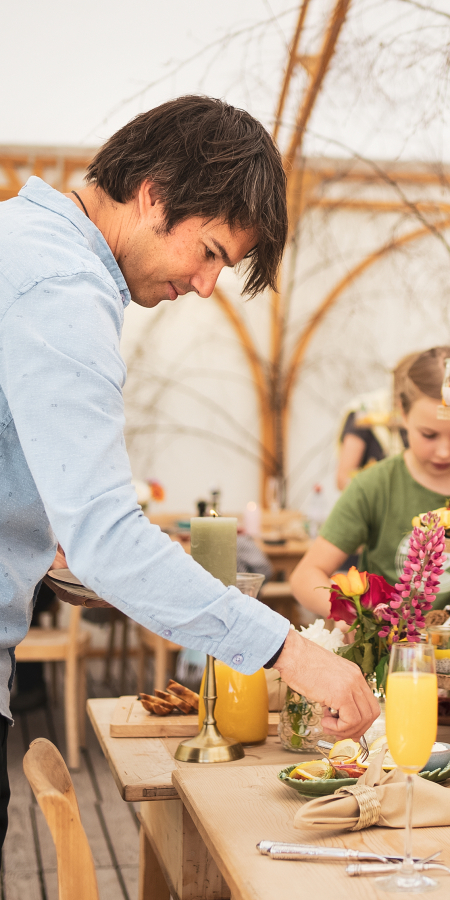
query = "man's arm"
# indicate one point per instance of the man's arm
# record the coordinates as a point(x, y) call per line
point(327, 678)
point(62, 374)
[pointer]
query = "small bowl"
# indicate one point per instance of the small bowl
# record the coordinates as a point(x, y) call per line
point(439, 759)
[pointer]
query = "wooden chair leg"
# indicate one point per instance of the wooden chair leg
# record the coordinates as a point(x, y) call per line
point(110, 651)
point(82, 697)
point(142, 667)
point(54, 682)
point(160, 667)
point(152, 884)
point(123, 662)
point(71, 713)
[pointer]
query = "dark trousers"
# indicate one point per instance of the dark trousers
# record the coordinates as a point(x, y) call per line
point(30, 675)
point(4, 782)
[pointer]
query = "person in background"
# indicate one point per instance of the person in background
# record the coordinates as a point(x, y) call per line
point(372, 430)
point(376, 509)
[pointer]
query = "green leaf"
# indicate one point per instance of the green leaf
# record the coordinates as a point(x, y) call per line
point(368, 660)
point(381, 671)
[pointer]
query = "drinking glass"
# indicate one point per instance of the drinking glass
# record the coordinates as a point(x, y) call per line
point(411, 725)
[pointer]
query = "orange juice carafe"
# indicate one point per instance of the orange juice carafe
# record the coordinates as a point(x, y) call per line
point(242, 707)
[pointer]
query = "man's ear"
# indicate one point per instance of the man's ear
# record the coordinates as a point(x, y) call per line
point(150, 205)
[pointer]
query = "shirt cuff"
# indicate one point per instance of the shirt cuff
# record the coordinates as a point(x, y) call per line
point(273, 659)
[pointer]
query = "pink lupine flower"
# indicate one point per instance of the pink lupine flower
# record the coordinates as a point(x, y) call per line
point(416, 590)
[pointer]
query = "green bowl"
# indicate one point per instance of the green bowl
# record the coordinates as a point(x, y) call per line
point(313, 788)
point(330, 785)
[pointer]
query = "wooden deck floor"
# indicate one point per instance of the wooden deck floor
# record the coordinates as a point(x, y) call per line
point(29, 859)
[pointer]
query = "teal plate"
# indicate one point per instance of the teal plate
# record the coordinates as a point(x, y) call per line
point(324, 788)
point(313, 788)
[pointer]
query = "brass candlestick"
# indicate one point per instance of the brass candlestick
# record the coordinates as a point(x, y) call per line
point(209, 746)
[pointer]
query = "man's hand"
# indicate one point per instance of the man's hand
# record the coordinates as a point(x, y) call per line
point(323, 676)
point(60, 562)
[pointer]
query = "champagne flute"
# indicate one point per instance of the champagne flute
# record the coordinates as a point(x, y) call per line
point(411, 725)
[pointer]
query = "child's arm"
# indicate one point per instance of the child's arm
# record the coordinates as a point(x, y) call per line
point(311, 578)
point(350, 459)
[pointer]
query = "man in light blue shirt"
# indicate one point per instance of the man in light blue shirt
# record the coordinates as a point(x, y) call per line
point(171, 198)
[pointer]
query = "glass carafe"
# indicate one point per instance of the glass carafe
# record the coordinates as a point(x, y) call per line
point(242, 707)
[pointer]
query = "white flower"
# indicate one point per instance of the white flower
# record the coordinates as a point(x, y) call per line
point(318, 634)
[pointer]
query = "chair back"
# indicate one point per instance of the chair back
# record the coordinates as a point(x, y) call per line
point(52, 786)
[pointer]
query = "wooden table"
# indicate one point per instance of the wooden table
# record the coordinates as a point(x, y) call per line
point(285, 557)
point(171, 850)
point(234, 810)
point(200, 846)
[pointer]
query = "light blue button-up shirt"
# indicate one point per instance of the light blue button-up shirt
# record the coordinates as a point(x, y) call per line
point(64, 471)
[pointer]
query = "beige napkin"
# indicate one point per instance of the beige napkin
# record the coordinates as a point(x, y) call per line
point(378, 798)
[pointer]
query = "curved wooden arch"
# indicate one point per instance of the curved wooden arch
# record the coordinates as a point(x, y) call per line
point(330, 300)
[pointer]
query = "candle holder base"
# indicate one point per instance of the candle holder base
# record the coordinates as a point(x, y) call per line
point(209, 746)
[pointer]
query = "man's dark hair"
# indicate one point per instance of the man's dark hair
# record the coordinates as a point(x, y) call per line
point(206, 159)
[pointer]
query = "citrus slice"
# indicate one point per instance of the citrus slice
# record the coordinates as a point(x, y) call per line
point(379, 743)
point(376, 748)
point(313, 770)
point(344, 751)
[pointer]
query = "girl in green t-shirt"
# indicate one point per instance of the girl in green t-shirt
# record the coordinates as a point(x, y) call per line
point(376, 509)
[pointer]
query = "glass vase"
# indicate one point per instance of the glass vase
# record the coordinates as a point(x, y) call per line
point(378, 727)
point(300, 725)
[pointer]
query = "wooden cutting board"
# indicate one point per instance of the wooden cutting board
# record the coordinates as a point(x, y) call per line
point(130, 719)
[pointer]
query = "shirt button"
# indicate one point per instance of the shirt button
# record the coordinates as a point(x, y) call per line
point(167, 633)
point(237, 659)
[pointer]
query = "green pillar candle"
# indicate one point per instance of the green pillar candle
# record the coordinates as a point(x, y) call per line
point(213, 545)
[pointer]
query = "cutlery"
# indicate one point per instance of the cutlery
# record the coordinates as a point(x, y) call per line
point(381, 869)
point(280, 850)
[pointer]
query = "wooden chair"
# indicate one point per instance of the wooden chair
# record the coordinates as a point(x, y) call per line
point(52, 786)
point(163, 652)
point(67, 645)
point(115, 616)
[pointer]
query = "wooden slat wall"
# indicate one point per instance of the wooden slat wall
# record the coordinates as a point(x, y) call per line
point(63, 168)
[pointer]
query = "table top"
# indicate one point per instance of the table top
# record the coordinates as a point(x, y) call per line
point(234, 809)
point(291, 547)
point(142, 767)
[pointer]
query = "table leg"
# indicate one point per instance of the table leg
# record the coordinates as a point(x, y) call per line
point(186, 863)
point(152, 884)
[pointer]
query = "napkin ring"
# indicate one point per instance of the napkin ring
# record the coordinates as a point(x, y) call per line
point(368, 802)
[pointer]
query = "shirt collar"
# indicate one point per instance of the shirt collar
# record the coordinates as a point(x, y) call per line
point(40, 192)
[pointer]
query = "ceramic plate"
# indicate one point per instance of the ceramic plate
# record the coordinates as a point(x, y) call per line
point(70, 583)
point(313, 788)
point(323, 788)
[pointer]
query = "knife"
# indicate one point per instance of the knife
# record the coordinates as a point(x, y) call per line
point(279, 850)
point(380, 869)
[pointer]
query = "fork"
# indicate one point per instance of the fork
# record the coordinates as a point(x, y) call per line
point(365, 750)
point(362, 741)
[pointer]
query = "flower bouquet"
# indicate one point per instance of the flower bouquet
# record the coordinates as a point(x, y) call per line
point(380, 614)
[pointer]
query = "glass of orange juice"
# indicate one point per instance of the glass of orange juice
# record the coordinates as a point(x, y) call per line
point(411, 725)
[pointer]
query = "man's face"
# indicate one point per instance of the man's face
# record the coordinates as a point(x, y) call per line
point(159, 266)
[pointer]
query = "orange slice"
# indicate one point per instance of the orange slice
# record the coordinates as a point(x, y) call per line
point(346, 751)
point(314, 770)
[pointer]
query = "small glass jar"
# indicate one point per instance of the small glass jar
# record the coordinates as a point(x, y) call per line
point(439, 636)
point(300, 725)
